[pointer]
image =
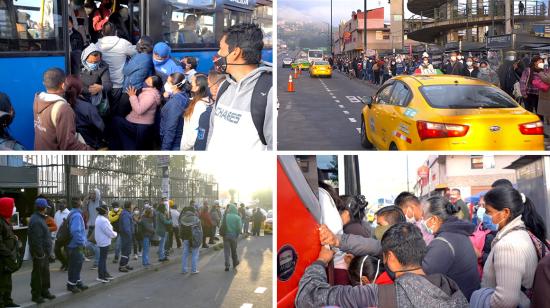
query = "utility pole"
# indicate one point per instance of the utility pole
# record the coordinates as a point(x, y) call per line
point(331, 51)
point(365, 27)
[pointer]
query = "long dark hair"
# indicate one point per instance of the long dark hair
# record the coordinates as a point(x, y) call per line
point(439, 207)
point(73, 88)
point(500, 198)
point(202, 82)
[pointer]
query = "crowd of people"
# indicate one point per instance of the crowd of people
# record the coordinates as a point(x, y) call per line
point(121, 96)
point(432, 252)
point(91, 229)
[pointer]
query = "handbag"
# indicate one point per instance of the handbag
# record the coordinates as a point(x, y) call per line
point(101, 102)
point(541, 85)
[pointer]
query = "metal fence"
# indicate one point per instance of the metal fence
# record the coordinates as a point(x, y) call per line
point(125, 177)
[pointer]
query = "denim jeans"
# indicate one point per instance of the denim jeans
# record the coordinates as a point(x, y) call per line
point(194, 257)
point(364, 77)
point(102, 266)
point(95, 249)
point(161, 251)
point(230, 249)
point(145, 252)
point(76, 258)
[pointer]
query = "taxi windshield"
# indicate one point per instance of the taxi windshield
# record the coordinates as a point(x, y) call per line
point(466, 97)
point(321, 63)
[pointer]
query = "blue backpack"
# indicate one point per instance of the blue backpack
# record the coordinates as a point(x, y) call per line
point(196, 232)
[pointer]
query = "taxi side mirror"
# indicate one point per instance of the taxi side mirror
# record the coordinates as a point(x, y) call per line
point(366, 100)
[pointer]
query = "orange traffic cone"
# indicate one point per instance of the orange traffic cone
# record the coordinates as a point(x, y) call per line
point(290, 87)
point(296, 73)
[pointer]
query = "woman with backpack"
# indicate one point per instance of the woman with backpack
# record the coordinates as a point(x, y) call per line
point(450, 252)
point(147, 230)
point(191, 234)
point(517, 248)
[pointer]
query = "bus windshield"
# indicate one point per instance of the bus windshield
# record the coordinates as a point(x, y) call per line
point(315, 55)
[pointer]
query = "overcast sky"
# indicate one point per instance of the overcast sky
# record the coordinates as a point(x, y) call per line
point(320, 9)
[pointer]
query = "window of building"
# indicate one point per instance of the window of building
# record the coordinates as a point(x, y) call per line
point(190, 24)
point(482, 162)
point(27, 25)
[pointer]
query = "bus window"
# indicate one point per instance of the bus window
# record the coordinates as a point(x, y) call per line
point(232, 18)
point(189, 24)
point(263, 15)
point(27, 25)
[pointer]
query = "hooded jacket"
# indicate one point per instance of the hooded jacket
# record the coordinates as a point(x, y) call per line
point(62, 136)
point(144, 107)
point(231, 125)
point(40, 239)
point(99, 76)
point(92, 206)
point(161, 224)
point(171, 121)
point(115, 52)
point(77, 228)
point(126, 224)
point(187, 220)
point(451, 253)
point(7, 237)
point(137, 70)
point(166, 68)
point(233, 223)
point(411, 291)
point(147, 226)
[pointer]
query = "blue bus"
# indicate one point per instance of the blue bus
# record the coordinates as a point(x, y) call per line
point(33, 37)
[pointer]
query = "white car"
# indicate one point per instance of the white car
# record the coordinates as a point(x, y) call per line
point(287, 62)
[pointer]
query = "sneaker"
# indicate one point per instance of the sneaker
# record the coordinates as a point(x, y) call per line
point(128, 267)
point(109, 277)
point(195, 272)
point(11, 304)
point(135, 257)
point(115, 260)
point(139, 254)
point(94, 267)
point(184, 273)
point(227, 269)
point(38, 299)
point(123, 269)
point(82, 287)
point(102, 280)
point(86, 259)
point(73, 288)
point(48, 295)
point(205, 246)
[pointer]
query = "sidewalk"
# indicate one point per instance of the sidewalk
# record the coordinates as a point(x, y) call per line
point(365, 82)
point(21, 292)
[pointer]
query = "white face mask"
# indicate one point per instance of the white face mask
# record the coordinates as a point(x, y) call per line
point(13, 211)
point(541, 65)
point(453, 58)
point(426, 62)
point(168, 88)
point(469, 63)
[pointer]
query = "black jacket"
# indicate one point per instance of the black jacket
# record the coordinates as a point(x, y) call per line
point(474, 73)
point(7, 241)
point(453, 69)
point(40, 240)
point(77, 42)
point(451, 253)
point(100, 76)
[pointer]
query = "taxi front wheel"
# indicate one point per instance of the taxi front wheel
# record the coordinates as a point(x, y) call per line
point(365, 143)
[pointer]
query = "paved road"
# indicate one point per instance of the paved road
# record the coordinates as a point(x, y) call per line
point(323, 113)
point(249, 286)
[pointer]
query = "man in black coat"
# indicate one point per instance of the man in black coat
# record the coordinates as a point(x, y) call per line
point(40, 244)
point(8, 253)
point(453, 67)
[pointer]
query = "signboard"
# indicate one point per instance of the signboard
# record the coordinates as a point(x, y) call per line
point(163, 160)
point(165, 187)
point(246, 4)
point(379, 35)
point(78, 171)
point(541, 30)
point(499, 41)
point(347, 37)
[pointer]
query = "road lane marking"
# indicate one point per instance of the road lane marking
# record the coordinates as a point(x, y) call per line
point(346, 112)
point(260, 290)
point(353, 99)
point(358, 130)
point(352, 120)
point(341, 106)
point(336, 100)
point(246, 305)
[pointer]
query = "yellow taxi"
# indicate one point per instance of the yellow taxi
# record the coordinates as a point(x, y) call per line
point(320, 68)
point(447, 112)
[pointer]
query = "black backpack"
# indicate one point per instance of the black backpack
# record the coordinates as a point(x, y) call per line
point(259, 101)
point(14, 261)
point(63, 236)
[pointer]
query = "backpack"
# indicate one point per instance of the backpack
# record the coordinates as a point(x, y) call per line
point(196, 232)
point(478, 241)
point(14, 261)
point(258, 102)
point(223, 227)
point(116, 223)
point(63, 235)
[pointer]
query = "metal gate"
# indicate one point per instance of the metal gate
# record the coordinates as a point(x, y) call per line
point(136, 178)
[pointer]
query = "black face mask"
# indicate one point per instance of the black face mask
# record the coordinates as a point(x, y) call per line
point(391, 273)
point(220, 64)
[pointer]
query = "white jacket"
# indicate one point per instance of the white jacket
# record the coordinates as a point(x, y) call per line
point(115, 51)
point(103, 231)
point(191, 125)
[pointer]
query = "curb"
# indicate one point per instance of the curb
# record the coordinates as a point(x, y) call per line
point(375, 87)
point(95, 286)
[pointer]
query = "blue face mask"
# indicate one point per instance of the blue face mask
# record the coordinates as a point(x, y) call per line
point(480, 213)
point(92, 66)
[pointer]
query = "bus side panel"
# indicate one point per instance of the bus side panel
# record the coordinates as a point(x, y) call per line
point(295, 227)
point(204, 59)
point(267, 55)
point(20, 79)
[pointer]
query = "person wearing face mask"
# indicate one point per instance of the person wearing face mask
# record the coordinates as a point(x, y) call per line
point(453, 66)
point(516, 249)
point(543, 84)
point(137, 237)
point(199, 108)
point(469, 69)
point(171, 114)
point(242, 117)
point(90, 10)
point(508, 73)
point(61, 251)
point(189, 67)
point(364, 270)
point(8, 251)
point(385, 218)
point(104, 233)
point(488, 227)
point(425, 67)
point(76, 45)
point(450, 252)
point(164, 65)
point(402, 249)
point(7, 115)
point(95, 77)
point(411, 207)
point(487, 74)
point(400, 67)
point(135, 71)
point(136, 130)
point(101, 15)
point(54, 119)
point(79, 17)
point(529, 91)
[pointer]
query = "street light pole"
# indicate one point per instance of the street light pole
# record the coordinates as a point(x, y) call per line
point(331, 51)
point(365, 28)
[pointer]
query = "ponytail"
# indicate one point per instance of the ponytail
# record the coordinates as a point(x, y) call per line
point(533, 221)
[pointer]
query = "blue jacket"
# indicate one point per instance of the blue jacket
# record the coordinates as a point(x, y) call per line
point(204, 128)
point(125, 224)
point(167, 68)
point(137, 70)
point(171, 122)
point(399, 68)
point(77, 229)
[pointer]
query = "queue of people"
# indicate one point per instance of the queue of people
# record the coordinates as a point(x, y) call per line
point(432, 252)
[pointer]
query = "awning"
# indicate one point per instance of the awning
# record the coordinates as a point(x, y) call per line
point(18, 177)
